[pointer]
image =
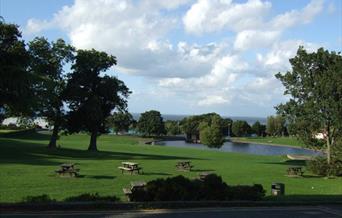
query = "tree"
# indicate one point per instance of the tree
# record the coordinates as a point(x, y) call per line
point(47, 61)
point(120, 121)
point(211, 133)
point(315, 88)
point(16, 82)
point(276, 126)
point(241, 128)
point(259, 129)
point(172, 127)
point(92, 97)
point(151, 123)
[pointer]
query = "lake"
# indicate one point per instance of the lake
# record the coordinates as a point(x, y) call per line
point(249, 148)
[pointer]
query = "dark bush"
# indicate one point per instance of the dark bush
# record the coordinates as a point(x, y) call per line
point(245, 192)
point(91, 197)
point(320, 166)
point(180, 188)
point(38, 199)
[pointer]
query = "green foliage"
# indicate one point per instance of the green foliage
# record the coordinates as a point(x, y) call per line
point(259, 129)
point(16, 92)
point(91, 197)
point(172, 127)
point(151, 123)
point(47, 62)
point(276, 126)
point(39, 199)
point(120, 121)
point(92, 97)
point(315, 87)
point(180, 188)
point(241, 128)
point(211, 134)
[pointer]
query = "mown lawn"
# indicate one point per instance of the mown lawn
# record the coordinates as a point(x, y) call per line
point(27, 168)
point(291, 141)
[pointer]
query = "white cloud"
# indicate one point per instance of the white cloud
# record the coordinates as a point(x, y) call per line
point(296, 17)
point(255, 39)
point(212, 100)
point(213, 15)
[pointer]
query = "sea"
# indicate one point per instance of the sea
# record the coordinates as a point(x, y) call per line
point(249, 120)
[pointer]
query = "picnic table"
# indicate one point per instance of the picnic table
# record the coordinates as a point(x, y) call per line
point(136, 185)
point(295, 171)
point(130, 167)
point(67, 169)
point(184, 165)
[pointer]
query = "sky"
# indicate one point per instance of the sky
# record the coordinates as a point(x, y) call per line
point(190, 56)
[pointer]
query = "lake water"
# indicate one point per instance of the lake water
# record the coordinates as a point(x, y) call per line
point(249, 148)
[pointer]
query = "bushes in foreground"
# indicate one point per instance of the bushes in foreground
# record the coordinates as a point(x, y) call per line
point(180, 188)
point(319, 166)
point(79, 198)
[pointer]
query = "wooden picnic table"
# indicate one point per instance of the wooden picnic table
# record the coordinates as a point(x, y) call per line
point(67, 169)
point(184, 165)
point(130, 167)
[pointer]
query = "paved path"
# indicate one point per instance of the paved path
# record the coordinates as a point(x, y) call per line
point(239, 212)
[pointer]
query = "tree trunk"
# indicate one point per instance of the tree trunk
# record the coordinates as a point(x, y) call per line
point(92, 144)
point(328, 150)
point(54, 136)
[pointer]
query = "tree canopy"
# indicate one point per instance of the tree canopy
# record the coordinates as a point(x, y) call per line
point(315, 88)
point(241, 128)
point(151, 123)
point(47, 61)
point(16, 82)
point(120, 121)
point(92, 97)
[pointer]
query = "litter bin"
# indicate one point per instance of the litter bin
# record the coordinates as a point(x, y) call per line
point(278, 189)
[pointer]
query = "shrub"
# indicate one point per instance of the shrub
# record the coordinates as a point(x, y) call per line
point(245, 192)
point(180, 188)
point(91, 197)
point(38, 199)
point(319, 166)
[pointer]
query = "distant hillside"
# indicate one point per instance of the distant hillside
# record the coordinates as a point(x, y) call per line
point(249, 120)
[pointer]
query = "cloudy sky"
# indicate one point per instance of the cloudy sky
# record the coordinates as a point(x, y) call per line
point(190, 56)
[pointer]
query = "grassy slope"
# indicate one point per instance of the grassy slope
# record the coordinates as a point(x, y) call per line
point(291, 141)
point(27, 167)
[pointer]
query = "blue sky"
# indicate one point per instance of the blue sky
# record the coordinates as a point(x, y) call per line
point(191, 56)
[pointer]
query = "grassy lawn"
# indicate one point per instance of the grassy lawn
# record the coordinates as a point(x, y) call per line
point(27, 168)
point(291, 141)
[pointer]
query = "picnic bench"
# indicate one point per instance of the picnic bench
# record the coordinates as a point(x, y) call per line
point(68, 169)
point(134, 186)
point(130, 167)
point(184, 166)
point(295, 171)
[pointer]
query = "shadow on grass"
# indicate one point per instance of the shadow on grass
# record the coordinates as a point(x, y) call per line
point(201, 170)
point(289, 163)
point(15, 151)
point(29, 134)
point(97, 177)
point(156, 174)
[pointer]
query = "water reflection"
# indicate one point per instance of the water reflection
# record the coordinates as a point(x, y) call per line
point(249, 148)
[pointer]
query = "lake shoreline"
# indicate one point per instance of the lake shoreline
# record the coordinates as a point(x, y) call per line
point(268, 143)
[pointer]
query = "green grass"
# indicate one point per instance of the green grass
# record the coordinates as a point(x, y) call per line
point(291, 141)
point(27, 168)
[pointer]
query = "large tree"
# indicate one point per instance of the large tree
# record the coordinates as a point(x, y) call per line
point(275, 126)
point(315, 88)
point(211, 132)
point(120, 121)
point(259, 129)
point(47, 62)
point(151, 123)
point(15, 80)
point(241, 128)
point(92, 97)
